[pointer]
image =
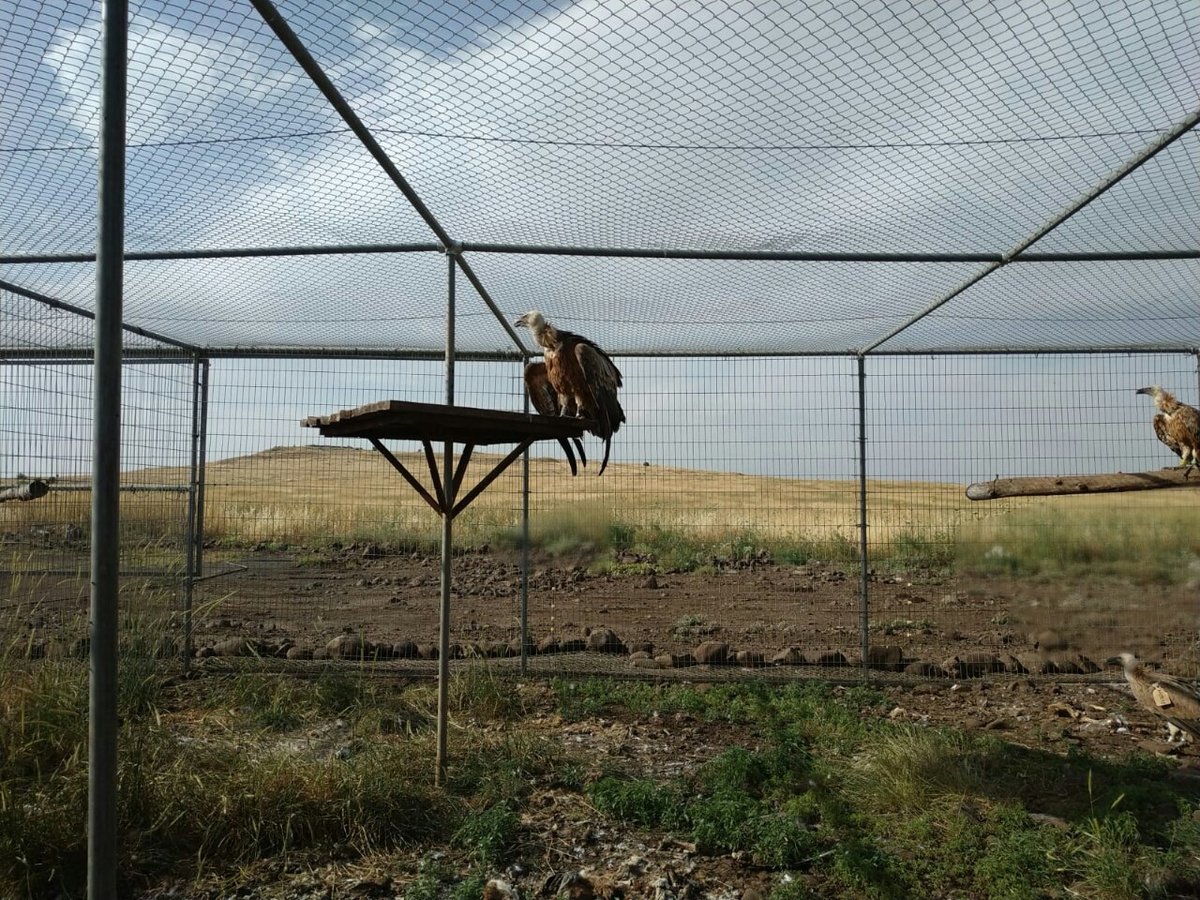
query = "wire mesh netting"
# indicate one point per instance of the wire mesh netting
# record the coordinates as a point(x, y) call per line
point(748, 204)
point(730, 513)
point(836, 130)
point(46, 432)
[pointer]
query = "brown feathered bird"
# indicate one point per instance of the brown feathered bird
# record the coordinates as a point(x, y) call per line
point(545, 401)
point(585, 380)
point(1164, 695)
point(1177, 425)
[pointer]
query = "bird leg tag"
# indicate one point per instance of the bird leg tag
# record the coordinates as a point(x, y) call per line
point(1161, 697)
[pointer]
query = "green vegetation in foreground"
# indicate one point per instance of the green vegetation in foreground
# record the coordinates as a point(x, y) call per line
point(816, 784)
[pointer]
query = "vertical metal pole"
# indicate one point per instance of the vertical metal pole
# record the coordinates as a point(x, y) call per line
point(447, 545)
point(524, 545)
point(189, 539)
point(106, 460)
point(864, 561)
point(202, 468)
point(195, 536)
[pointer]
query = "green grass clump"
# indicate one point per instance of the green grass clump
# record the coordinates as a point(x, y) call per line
point(219, 773)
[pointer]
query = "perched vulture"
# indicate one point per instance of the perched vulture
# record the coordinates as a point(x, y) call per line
point(583, 377)
point(1164, 695)
point(545, 401)
point(1177, 425)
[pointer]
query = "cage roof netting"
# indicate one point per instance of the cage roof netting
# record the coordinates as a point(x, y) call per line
point(834, 176)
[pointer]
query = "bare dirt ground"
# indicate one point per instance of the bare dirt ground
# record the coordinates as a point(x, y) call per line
point(305, 600)
point(1059, 629)
point(1051, 630)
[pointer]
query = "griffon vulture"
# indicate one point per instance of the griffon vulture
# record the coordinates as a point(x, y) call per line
point(1177, 425)
point(1164, 695)
point(585, 380)
point(545, 401)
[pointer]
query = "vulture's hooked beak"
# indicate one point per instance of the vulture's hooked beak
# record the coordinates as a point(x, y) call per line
point(519, 322)
point(1115, 660)
point(1143, 391)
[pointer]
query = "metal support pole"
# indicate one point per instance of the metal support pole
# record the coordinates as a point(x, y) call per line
point(864, 561)
point(195, 520)
point(189, 537)
point(525, 548)
point(106, 460)
point(443, 714)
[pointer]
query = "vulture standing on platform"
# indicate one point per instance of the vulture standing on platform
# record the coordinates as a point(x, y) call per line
point(1177, 425)
point(545, 401)
point(583, 378)
point(1164, 695)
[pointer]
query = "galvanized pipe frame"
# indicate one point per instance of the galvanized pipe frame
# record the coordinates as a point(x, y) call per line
point(102, 816)
point(484, 247)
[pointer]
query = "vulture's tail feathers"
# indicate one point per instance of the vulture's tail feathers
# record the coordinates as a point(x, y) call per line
point(604, 464)
point(570, 456)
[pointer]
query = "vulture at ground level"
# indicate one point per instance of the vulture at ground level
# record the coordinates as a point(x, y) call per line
point(1177, 425)
point(545, 401)
point(584, 379)
point(1164, 695)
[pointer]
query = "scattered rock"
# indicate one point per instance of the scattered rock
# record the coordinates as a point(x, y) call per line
point(789, 656)
point(1050, 640)
point(405, 650)
point(548, 644)
point(973, 665)
point(650, 583)
point(574, 645)
point(514, 646)
point(644, 662)
point(1052, 821)
point(712, 653)
point(675, 660)
point(751, 659)
point(605, 640)
point(427, 651)
point(499, 889)
point(829, 658)
point(888, 657)
point(299, 653)
point(235, 646)
point(925, 669)
point(347, 646)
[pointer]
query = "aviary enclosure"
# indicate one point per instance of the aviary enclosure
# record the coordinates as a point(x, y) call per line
point(850, 260)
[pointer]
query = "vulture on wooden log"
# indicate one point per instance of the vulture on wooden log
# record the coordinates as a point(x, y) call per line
point(584, 379)
point(1177, 425)
point(1164, 695)
point(545, 401)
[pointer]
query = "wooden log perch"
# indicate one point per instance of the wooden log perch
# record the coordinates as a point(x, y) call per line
point(1047, 486)
point(31, 491)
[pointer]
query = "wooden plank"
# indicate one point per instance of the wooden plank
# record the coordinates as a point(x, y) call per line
point(404, 420)
point(30, 491)
point(1047, 486)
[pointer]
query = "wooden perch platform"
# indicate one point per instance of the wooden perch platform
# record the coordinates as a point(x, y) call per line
point(1083, 484)
point(403, 420)
point(31, 491)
